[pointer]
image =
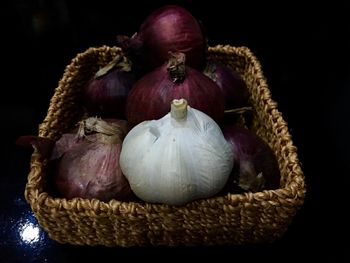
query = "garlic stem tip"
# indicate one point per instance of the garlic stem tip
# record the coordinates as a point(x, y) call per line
point(178, 109)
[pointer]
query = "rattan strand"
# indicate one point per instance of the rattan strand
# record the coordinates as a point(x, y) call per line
point(230, 219)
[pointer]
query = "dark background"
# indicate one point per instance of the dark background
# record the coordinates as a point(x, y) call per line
point(303, 48)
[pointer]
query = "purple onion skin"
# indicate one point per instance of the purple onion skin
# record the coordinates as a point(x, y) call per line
point(231, 84)
point(88, 168)
point(85, 171)
point(252, 156)
point(172, 28)
point(151, 96)
point(106, 96)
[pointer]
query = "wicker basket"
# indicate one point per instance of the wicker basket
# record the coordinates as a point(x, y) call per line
point(230, 219)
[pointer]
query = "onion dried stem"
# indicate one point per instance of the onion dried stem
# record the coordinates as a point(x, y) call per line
point(239, 110)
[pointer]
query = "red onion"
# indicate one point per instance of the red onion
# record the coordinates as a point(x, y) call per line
point(88, 163)
point(151, 96)
point(169, 28)
point(106, 93)
point(230, 82)
point(255, 165)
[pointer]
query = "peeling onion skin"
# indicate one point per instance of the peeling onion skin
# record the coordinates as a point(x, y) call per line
point(89, 167)
point(255, 166)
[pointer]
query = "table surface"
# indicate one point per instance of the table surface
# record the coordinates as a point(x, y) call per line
point(303, 52)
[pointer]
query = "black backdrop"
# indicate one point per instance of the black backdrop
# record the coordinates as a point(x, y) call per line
point(302, 46)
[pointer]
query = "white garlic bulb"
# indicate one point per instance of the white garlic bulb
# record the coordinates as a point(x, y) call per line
point(178, 158)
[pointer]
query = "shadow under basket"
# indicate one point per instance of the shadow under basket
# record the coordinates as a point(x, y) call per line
point(230, 219)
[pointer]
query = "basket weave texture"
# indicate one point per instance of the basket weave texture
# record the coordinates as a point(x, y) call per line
point(222, 220)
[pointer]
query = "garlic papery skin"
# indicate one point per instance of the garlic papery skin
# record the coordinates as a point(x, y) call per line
point(178, 158)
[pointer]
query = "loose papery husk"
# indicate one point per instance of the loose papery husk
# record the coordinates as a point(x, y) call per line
point(229, 219)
